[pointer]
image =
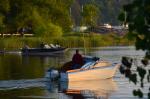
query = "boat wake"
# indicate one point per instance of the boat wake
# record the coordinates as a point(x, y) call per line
point(22, 84)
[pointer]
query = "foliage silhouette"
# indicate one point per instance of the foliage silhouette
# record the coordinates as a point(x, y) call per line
point(137, 16)
point(137, 77)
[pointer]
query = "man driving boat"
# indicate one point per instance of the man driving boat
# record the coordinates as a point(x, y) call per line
point(77, 60)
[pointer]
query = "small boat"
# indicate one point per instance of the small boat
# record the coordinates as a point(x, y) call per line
point(92, 73)
point(42, 51)
point(2, 52)
point(91, 70)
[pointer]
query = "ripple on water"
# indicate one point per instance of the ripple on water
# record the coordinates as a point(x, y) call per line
point(23, 83)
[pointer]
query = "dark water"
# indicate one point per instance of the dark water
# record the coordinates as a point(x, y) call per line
point(22, 77)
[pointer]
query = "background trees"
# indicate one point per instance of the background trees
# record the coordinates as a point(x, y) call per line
point(108, 10)
point(36, 16)
point(89, 14)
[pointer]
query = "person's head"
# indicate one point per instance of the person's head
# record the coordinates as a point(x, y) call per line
point(77, 51)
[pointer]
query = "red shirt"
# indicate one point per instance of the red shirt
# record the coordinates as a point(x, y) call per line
point(77, 59)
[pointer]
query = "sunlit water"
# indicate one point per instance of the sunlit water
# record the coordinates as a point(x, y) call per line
point(22, 77)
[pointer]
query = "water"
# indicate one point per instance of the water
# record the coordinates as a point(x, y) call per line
point(23, 77)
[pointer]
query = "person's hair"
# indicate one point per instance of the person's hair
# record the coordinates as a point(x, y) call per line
point(77, 51)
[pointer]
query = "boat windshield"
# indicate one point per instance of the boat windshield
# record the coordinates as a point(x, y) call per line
point(88, 65)
point(90, 59)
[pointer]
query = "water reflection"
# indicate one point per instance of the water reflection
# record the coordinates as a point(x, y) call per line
point(85, 89)
point(15, 67)
point(19, 77)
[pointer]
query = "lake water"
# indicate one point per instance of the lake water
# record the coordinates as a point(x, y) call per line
point(22, 77)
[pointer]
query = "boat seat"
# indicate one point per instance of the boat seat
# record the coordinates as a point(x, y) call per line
point(58, 46)
point(46, 46)
point(53, 46)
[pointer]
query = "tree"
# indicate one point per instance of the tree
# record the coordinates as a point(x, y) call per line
point(137, 16)
point(36, 15)
point(89, 14)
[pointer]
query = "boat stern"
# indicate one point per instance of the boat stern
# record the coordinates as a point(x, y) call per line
point(63, 76)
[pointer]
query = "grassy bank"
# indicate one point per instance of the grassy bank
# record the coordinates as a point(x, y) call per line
point(70, 40)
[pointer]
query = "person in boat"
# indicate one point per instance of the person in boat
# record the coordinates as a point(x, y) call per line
point(26, 47)
point(42, 45)
point(77, 60)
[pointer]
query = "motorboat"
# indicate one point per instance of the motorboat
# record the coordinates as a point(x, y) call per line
point(91, 73)
point(43, 51)
point(93, 69)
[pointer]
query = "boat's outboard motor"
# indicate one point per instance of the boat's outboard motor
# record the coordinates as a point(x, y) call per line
point(52, 74)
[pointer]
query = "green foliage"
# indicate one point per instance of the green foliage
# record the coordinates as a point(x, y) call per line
point(53, 31)
point(121, 16)
point(138, 19)
point(109, 10)
point(1, 23)
point(37, 15)
point(90, 14)
point(4, 6)
point(70, 40)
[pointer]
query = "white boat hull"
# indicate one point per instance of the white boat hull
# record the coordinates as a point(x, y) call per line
point(102, 72)
point(106, 84)
point(92, 88)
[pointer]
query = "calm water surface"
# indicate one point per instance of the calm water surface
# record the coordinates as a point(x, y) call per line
point(22, 77)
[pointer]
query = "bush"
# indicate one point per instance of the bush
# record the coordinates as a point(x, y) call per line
point(49, 30)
